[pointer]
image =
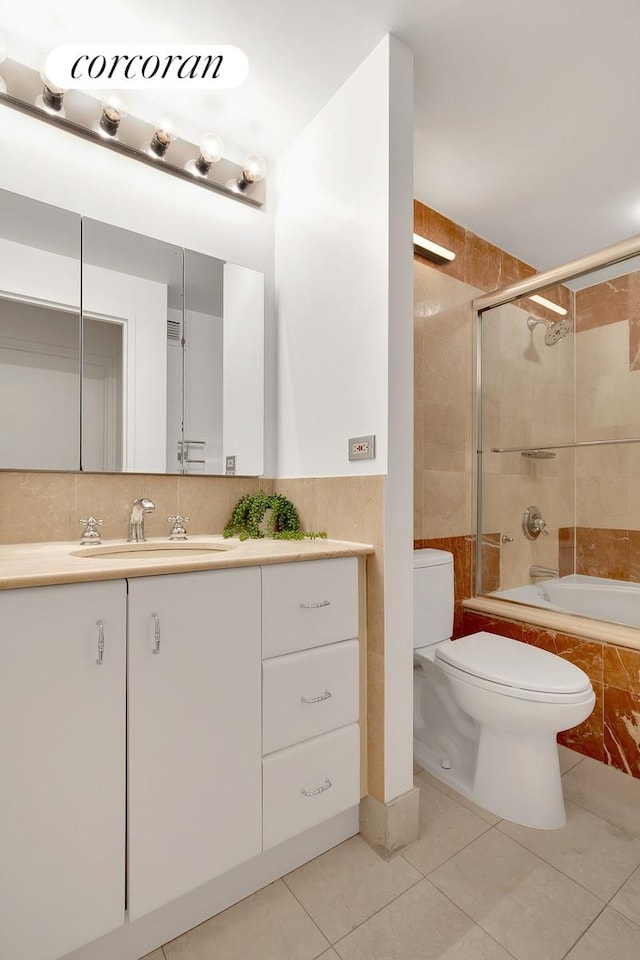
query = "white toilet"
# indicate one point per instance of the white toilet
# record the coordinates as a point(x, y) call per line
point(487, 709)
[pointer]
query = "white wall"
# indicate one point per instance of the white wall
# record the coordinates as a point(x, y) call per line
point(332, 280)
point(47, 164)
point(398, 485)
point(344, 280)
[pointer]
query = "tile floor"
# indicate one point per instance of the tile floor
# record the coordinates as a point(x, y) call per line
point(472, 888)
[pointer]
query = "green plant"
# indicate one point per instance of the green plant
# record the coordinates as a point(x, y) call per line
point(282, 523)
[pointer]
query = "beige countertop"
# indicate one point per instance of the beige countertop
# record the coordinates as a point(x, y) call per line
point(38, 564)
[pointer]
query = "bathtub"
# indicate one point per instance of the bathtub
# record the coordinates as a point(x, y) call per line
point(615, 601)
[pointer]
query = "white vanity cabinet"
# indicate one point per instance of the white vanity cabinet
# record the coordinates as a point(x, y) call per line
point(311, 737)
point(195, 805)
point(62, 767)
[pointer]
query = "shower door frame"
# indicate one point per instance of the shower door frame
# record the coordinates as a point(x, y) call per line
point(607, 257)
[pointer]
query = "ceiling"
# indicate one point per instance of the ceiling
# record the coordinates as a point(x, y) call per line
point(525, 112)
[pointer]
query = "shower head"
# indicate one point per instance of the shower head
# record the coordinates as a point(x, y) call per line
point(556, 330)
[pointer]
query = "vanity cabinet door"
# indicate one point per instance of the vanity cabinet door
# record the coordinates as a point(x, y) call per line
point(62, 767)
point(194, 731)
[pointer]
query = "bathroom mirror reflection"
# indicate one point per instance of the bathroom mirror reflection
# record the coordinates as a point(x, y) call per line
point(163, 375)
point(39, 335)
point(560, 421)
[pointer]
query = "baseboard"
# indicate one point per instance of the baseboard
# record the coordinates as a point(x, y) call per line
point(391, 827)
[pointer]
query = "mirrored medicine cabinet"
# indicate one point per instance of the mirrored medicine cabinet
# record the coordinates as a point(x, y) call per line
point(120, 352)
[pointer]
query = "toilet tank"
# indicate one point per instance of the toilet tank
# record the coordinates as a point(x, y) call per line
point(432, 596)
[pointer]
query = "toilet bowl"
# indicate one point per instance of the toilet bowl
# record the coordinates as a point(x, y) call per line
point(487, 708)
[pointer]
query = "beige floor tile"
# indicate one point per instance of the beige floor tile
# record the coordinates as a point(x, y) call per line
point(420, 925)
point(612, 937)
point(607, 792)
point(329, 955)
point(349, 884)
point(627, 900)
point(156, 955)
point(530, 908)
point(428, 778)
point(270, 925)
point(568, 758)
point(590, 850)
point(445, 828)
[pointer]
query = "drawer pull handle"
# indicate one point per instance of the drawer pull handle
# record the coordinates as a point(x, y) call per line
point(100, 626)
point(315, 606)
point(323, 696)
point(321, 789)
point(156, 634)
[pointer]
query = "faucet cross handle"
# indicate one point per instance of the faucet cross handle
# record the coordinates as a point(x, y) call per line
point(178, 531)
point(91, 534)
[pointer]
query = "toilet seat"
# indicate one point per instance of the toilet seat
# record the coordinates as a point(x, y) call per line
point(513, 669)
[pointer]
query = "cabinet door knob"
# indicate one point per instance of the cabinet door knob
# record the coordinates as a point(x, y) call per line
point(321, 789)
point(323, 696)
point(100, 626)
point(314, 606)
point(156, 634)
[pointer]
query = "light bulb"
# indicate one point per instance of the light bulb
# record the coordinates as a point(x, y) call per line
point(254, 168)
point(113, 113)
point(164, 135)
point(211, 150)
point(51, 98)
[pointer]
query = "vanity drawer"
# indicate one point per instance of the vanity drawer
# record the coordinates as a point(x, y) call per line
point(309, 693)
point(308, 604)
point(310, 782)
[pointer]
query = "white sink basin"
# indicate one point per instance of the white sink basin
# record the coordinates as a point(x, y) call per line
point(152, 551)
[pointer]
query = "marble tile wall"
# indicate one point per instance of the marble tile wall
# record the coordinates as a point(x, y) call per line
point(612, 733)
point(600, 552)
point(37, 507)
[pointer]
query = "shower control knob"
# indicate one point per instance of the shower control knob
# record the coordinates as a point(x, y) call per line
point(533, 523)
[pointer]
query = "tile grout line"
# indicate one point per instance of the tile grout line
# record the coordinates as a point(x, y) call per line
point(318, 928)
point(455, 854)
point(573, 879)
point(469, 917)
point(577, 803)
point(584, 932)
point(421, 877)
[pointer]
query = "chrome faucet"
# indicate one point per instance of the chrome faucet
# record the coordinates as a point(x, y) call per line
point(536, 572)
point(136, 521)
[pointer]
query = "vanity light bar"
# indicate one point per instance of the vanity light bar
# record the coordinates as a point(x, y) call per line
point(84, 116)
point(432, 251)
point(548, 304)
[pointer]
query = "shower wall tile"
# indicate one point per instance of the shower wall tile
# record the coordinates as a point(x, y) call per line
point(566, 551)
point(479, 622)
point(588, 737)
point(622, 730)
point(634, 555)
point(603, 553)
point(608, 302)
point(483, 263)
point(622, 669)
point(634, 344)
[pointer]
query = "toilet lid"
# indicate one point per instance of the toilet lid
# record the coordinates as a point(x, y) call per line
point(513, 664)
